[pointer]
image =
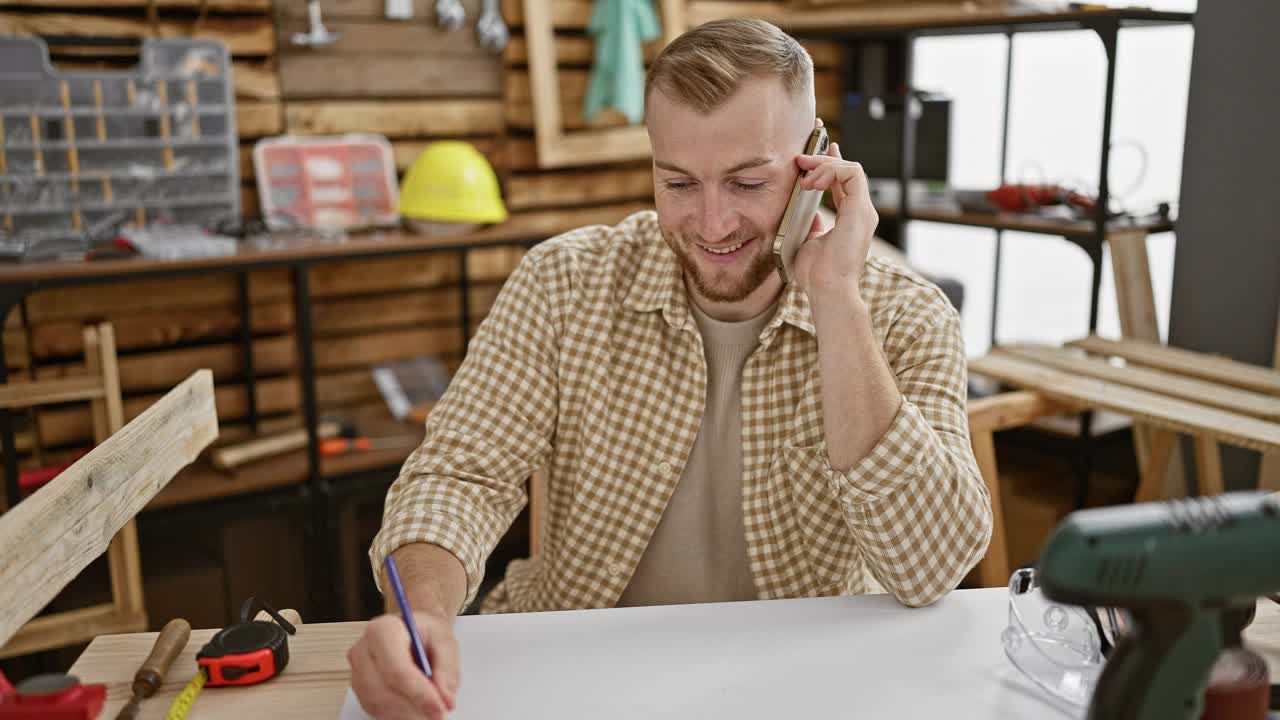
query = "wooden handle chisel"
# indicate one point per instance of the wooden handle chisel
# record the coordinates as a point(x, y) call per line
point(150, 676)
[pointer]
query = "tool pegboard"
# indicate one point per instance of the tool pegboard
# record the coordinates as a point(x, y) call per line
point(83, 152)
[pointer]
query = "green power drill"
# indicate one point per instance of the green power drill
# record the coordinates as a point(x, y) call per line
point(1180, 568)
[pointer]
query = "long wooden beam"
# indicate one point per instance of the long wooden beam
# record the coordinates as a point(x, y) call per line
point(574, 82)
point(389, 75)
point(578, 50)
point(1186, 362)
point(1142, 405)
point(580, 187)
point(213, 5)
point(25, 394)
point(1269, 470)
point(570, 111)
point(155, 371)
point(576, 14)
point(1199, 391)
point(52, 535)
point(49, 631)
point(1012, 409)
point(258, 118)
point(243, 35)
point(73, 424)
point(399, 118)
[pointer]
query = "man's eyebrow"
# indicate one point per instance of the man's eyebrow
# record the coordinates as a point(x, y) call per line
point(663, 165)
point(745, 165)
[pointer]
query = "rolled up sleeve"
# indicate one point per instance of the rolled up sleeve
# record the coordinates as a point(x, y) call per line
point(916, 506)
point(464, 485)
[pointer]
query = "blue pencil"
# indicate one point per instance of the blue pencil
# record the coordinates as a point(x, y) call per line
point(419, 650)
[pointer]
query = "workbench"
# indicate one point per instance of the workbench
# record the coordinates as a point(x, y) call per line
point(808, 658)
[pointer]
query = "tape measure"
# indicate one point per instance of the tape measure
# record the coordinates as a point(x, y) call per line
point(246, 653)
point(182, 704)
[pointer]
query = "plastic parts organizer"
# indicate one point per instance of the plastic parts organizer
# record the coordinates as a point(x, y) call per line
point(83, 152)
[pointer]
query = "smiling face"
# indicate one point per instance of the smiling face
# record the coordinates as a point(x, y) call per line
point(721, 183)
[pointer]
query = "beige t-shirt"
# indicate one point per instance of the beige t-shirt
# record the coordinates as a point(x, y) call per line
point(698, 553)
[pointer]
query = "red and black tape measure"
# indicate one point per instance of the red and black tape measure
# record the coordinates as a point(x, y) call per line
point(245, 653)
point(249, 651)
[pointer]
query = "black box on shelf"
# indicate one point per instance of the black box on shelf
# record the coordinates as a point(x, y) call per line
point(871, 134)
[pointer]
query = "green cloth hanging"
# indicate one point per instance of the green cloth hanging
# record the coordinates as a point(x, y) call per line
point(620, 27)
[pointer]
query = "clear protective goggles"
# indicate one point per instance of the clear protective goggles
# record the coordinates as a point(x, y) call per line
point(1062, 648)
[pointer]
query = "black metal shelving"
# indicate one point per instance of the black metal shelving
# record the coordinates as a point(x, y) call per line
point(853, 27)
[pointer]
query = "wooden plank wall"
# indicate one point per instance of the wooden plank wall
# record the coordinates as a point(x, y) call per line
point(364, 312)
point(405, 79)
point(414, 83)
point(408, 80)
point(164, 329)
point(622, 186)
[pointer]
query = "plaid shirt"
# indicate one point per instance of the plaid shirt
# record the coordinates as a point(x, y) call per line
point(591, 367)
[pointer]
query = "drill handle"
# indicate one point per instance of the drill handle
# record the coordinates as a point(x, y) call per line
point(1159, 670)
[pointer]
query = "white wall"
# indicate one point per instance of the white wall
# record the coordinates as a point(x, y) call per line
point(1055, 132)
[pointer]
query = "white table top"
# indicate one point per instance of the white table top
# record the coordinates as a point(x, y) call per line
point(817, 658)
point(863, 657)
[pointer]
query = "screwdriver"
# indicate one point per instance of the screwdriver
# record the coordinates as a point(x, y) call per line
point(172, 639)
point(340, 445)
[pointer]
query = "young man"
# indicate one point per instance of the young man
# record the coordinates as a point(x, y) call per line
point(709, 433)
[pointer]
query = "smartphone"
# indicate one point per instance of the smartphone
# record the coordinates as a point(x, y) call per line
point(798, 218)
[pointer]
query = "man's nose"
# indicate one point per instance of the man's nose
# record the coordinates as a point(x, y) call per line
point(719, 219)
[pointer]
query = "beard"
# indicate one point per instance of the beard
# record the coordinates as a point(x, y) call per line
point(727, 283)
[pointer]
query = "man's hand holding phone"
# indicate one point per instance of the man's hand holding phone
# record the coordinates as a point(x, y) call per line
point(830, 264)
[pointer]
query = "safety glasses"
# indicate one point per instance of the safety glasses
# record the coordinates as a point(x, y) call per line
point(1062, 648)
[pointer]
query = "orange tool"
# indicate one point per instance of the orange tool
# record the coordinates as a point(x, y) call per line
point(332, 447)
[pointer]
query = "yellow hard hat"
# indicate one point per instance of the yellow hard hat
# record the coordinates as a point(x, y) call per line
point(452, 181)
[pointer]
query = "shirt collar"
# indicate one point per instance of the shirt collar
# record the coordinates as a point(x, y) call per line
point(659, 285)
point(794, 310)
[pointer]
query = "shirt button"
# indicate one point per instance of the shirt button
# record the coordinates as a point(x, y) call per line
point(615, 568)
point(664, 468)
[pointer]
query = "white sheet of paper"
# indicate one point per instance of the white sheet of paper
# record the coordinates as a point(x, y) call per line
point(823, 657)
point(351, 709)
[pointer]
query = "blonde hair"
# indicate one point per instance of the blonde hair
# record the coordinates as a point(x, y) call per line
point(706, 65)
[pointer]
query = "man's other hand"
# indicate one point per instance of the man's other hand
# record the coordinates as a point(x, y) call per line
point(388, 682)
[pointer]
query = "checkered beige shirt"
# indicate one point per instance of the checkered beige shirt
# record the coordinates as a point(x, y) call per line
point(591, 366)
